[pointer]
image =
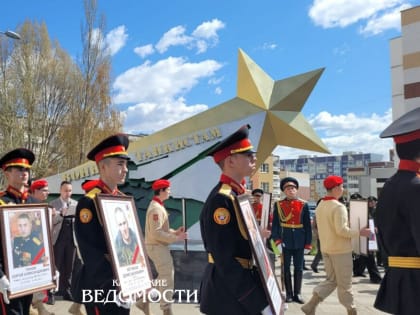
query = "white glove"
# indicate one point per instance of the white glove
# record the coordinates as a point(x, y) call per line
point(124, 304)
point(4, 286)
point(57, 281)
point(280, 248)
point(267, 311)
point(306, 251)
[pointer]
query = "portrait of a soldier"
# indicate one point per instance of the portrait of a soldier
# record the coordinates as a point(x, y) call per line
point(28, 248)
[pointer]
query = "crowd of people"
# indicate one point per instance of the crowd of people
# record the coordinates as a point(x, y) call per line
point(231, 282)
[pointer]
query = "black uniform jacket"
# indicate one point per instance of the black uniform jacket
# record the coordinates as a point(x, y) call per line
point(227, 287)
point(96, 272)
point(398, 223)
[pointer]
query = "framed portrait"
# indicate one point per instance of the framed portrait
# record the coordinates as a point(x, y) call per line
point(125, 243)
point(358, 220)
point(265, 214)
point(27, 249)
point(373, 243)
point(261, 257)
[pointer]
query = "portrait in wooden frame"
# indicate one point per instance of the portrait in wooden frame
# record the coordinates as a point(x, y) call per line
point(261, 257)
point(358, 214)
point(125, 244)
point(266, 208)
point(27, 248)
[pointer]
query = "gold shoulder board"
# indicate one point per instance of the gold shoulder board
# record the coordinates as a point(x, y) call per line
point(92, 193)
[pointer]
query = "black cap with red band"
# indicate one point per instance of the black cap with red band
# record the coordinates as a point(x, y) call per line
point(406, 133)
point(237, 142)
point(19, 158)
point(113, 146)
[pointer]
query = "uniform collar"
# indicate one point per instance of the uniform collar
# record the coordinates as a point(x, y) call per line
point(156, 198)
point(17, 194)
point(237, 188)
point(106, 189)
point(409, 165)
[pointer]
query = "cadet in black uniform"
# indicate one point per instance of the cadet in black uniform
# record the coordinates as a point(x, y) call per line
point(230, 285)
point(96, 273)
point(398, 218)
point(15, 165)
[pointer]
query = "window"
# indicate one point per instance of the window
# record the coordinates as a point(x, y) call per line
point(265, 186)
point(264, 168)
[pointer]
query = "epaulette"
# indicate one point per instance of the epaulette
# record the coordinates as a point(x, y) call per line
point(92, 193)
point(36, 240)
point(225, 189)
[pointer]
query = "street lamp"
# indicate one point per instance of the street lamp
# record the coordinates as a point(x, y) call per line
point(11, 34)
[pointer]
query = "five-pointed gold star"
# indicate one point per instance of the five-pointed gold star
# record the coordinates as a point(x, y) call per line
point(281, 102)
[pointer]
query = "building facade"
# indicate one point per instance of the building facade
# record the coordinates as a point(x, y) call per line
point(269, 175)
point(319, 167)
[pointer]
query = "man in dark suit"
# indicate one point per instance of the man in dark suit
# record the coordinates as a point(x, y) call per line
point(62, 236)
point(62, 240)
point(230, 285)
point(397, 219)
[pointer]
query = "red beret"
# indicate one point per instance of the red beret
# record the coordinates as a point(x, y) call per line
point(160, 184)
point(332, 181)
point(39, 184)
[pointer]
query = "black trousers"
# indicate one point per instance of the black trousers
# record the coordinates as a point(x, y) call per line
point(17, 306)
point(360, 264)
point(64, 252)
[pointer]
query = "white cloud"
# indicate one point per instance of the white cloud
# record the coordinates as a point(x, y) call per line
point(347, 132)
point(389, 20)
point(174, 37)
point(162, 81)
point(145, 50)
point(204, 36)
point(116, 39)
point(342, 50)
point(152, 117)
point(209, 29)
point(157, 91)
point(341, 13)
point(113, 41)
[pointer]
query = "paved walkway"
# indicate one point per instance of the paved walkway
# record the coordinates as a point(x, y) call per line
point(364, 293)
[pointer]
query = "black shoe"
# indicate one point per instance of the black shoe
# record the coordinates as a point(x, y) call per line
point(375, 280)
point(289, 299)
point(298, 299)
point(305, 268)
point(314, 269)
point(51, 299)
point(360, 275)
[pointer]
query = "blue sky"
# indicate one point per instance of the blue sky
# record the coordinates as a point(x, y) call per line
point(173, 59)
